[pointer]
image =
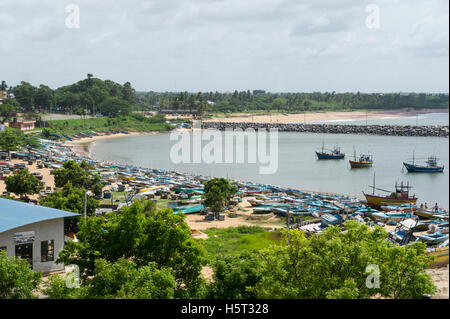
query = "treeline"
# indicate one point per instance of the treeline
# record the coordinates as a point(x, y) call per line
point(245, 101)
point(91, 95)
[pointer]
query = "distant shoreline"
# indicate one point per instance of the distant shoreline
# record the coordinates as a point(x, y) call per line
point(285, 118)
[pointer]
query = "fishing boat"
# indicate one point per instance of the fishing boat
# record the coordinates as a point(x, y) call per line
point(433, 239)
point(403, 233)
point(440, 254)
point(398, 197)
point(431, 213)
point(431, 166)
point(330, 220)
point(364, 160)
point(330, 154)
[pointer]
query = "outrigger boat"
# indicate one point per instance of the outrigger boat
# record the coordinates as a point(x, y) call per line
point(365, 160)
point(430, 166)
point(331, 154)
point(398, 197)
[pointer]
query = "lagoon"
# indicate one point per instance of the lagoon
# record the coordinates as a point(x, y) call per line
point(298, 166)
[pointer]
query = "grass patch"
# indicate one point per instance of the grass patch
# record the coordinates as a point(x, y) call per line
point(235, 240)
point(128, 123)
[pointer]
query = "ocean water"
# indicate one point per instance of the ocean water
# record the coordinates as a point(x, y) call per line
point(298, 166)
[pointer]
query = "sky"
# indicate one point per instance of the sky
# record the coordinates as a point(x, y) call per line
point(220, 45)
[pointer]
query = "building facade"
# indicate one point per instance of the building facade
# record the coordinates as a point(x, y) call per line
point(34, 233)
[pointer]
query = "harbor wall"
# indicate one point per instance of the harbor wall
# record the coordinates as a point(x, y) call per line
point(392, 130)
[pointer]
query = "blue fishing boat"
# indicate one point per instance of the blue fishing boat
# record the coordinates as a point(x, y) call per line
point(330, 220)
point(430, 166)
point(433, 239)
point(330, 154)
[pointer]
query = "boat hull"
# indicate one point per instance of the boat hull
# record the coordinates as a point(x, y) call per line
point(355, 164)
point(329, 156)
point(423, 169)
point(378, 201)
point(440, 256)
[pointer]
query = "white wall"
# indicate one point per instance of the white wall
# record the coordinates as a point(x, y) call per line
point(46, 230)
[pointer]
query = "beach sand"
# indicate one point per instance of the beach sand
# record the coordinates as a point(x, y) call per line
point(319, 116)
point(47, 178)
point(441, 280)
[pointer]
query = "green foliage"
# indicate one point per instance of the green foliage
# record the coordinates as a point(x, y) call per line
point(121, 279)
point(234, 277)
point(233, 241)
point(217, 193)
point(23, 183)
point(144, 234)
point(245, 101)
point(85, 94)
point(113, 107)
point(7, 111)
point(13, 139)
point(17, 279)
point(56, 288)
point(78, 175)
point(333, 265)
point(74, 126)
point(10, 140)
point(70, 199)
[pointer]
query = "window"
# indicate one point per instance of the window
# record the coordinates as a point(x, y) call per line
point(47, 250)
point(3, 248)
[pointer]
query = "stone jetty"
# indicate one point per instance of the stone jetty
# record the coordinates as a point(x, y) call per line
point(392, 130)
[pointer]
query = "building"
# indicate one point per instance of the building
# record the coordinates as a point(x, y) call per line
point(35, 233)
point(22, 125)
point(259, 92)
point(19, 123)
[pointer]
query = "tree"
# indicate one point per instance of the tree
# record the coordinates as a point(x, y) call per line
point(217, 193)
point(17, 279)
point(7, 111)
point(114, 107)
point(10, 140)
point(334, 264)
point(121, 279)
point(234, 277)
point(143, 234)
point(70, 199)
point(78, 175)
point(23, 183)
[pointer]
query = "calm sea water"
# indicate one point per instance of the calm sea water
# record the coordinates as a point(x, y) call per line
point(298, 166)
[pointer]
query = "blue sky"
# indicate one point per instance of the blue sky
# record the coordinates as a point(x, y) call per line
point(209, 45)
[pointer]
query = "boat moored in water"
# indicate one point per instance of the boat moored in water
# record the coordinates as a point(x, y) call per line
point(431, 166)
point(364, 160)
point(330, 154)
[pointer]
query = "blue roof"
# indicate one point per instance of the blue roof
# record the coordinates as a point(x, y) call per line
point(15, 214)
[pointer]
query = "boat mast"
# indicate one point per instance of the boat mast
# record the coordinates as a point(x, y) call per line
point(373, 193)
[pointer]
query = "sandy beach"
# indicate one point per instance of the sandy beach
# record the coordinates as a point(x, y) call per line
point(319, 116)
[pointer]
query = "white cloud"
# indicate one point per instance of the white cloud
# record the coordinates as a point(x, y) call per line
point(203, 45)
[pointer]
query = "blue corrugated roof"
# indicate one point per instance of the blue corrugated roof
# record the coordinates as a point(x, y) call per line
point(15, 214)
